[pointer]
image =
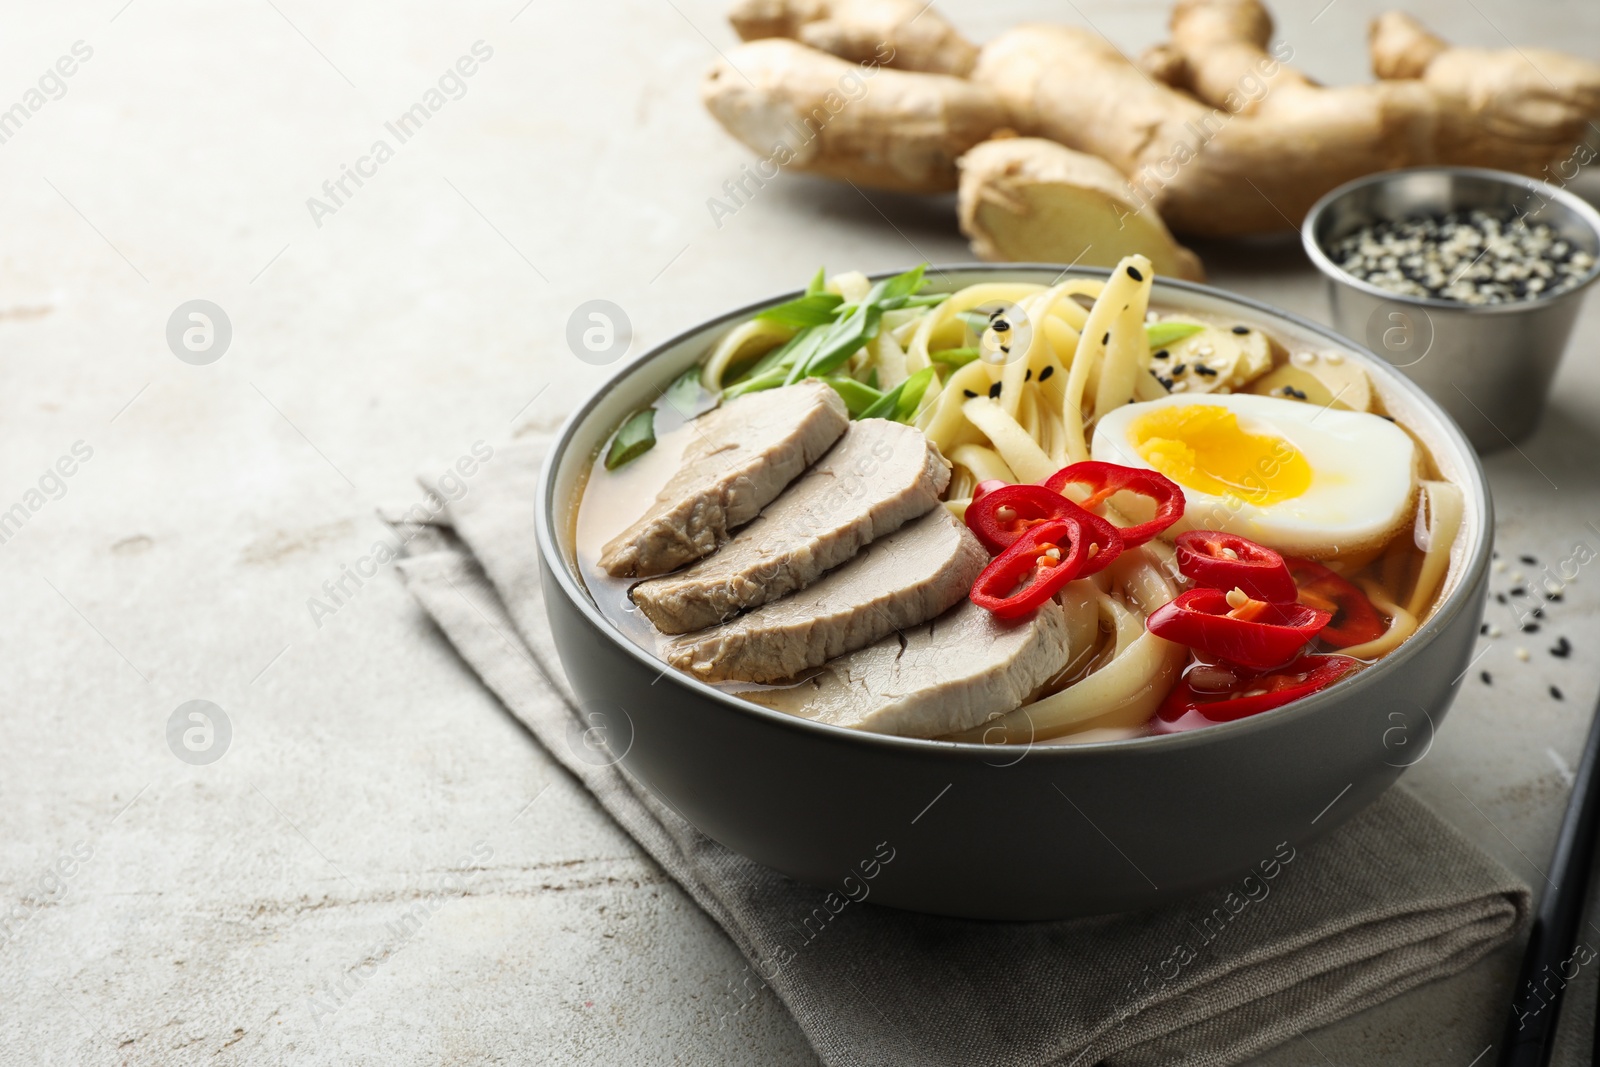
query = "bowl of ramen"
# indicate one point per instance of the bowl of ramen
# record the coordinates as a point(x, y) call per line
point(1008, 592)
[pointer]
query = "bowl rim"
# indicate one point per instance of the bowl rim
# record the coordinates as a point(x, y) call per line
point(1576, 204)
point(1475, 566)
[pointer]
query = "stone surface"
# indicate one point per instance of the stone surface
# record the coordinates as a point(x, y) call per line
point(210, 908)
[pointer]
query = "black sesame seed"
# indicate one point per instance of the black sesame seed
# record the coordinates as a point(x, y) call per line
point(1000, 326)
point(1291, 391)
point(1519, 590)
point(969, 392)
point(1164, 381)
point(1501, 597)
point(1562, 649)
point(1028, 377)
point(1487, 678)
point(1530, 627)
point(994, 391)
point(1494, 553)
point(1106, 339)
point(1554, 598)
point(1135, 275)
point(1006, 349)
point(1556, 693)
point(1483, 629)
point(1179, 369)
point(1529, 560)
point(1205, 371)
point(1537, 613)
point(1241, 329)
point(1046, 373)
point(1160, 354)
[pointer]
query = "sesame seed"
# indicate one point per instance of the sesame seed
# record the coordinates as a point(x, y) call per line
point(1135, 275)
point(1555, 692)
point(1161, 353)
point(1529, 560)
point(1499, 565)
point(1483, 629)
point(1562, 649)
point(1028, 377)
point(994, 391)
point(1530, 627)
point(1046, 373)
point(1106, 339)
point(1291, 391)
point(1241, 330)
point(1501, 597)
point(1521, 654)
point(969, 393)
point(1179, 369)
point(1487, 678)
point(1204, 371)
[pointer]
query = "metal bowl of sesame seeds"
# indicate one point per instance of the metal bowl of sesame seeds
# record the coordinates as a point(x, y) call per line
point(1465, 279)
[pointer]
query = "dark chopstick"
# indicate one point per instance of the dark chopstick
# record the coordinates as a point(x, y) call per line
point(1529, 1037)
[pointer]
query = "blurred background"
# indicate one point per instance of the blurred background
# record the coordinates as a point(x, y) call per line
point(169, 908)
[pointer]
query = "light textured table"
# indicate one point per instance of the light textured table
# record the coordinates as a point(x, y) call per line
point(208, 912)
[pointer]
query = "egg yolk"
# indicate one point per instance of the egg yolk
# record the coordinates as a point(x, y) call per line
point(1203, 447)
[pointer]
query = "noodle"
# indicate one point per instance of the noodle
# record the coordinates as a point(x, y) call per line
point(1438, 520)
point(1023, 416)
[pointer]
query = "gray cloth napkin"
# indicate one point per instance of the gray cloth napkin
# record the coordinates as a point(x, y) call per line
point(1393, 899)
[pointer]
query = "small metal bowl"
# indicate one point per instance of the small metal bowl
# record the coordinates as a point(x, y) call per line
point(1488, 365)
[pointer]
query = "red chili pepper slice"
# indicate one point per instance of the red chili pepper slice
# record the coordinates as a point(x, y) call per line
point(1257, 634)
point(1106, 479)
point(1207, 695)
point(1355, 620)
point(1226, 561)
point(1025, 575)
point(1005, 513)
point(987, 486)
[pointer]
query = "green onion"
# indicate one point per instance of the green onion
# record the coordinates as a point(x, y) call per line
point(1161, 334)
point(856, 396)
point(686, 395)
point(858, 325)
point(911, 391)
point(633, 439)
point(770, 380)
point(900, 403)
point(955, 357)
point(813, 309)
point(818, 283)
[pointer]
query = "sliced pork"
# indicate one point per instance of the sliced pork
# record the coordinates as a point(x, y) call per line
point(953, 673)
point(899, 581)
point(879, 476)
point(741, 457)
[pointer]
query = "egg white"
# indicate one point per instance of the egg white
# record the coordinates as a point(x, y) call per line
point(1363, 475)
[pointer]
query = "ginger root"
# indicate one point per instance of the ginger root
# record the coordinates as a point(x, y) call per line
point(1031, 200)
point(1217, 134)
point(860, 123)
point(904, 34)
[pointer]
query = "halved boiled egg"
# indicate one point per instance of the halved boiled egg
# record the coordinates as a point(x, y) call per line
point(1305, 479)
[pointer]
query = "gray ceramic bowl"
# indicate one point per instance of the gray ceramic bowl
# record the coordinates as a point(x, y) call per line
point(994, 832)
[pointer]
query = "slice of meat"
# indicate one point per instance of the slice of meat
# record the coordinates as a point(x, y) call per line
point(740, 458)
point(879, 476)
point(905, 579)
point(954, 673)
